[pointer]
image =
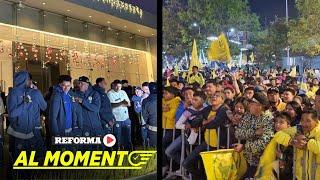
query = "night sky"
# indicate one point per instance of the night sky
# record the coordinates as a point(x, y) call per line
point(268, 9)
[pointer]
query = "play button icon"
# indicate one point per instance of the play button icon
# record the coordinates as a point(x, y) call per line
point(109, 140)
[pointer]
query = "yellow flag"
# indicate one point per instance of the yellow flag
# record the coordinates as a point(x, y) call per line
point(293, 72)
point(176, 71)
point(184, 75)
point(258, 74)
point(252, 57)
point(219, 49)
point(194, 59)
point(213, 74)
point(168, 83)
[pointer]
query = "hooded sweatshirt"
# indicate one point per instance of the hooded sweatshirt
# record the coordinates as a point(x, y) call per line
point(64, 114)
point(24, 116)
point(105, 111)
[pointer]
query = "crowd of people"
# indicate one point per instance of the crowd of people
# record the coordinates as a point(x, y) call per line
point(83, 110)
point(248, 110)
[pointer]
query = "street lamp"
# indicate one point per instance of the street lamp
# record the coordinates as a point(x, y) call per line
point(287, 21)
point(232, 30)
point(196, 25)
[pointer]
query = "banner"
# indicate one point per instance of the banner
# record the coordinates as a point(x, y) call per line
point(224, 164)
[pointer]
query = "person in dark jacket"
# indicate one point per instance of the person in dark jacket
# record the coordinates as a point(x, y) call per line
point(106, 115)
point(149, 113)
point(64, 114)
point(216, 119)
point(90, 103)
point(24, 105)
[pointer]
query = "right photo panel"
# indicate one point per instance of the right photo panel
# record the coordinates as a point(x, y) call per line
point(241, 97)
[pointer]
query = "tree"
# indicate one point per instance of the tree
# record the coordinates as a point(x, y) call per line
point(211, 18)
point(171, 36)
point(304, 33)
point(270, 44)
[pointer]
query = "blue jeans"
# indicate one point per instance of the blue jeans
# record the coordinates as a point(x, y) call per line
point(174, 149)
point(122, 131)
point(144, 135)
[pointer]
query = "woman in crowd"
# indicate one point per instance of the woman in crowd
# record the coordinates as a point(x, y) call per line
point(294, 110)
point(256, 128)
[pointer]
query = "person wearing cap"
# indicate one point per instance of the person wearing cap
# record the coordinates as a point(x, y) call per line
point(257, 129)
point(90, 103)
point(288, 95)
point(120, 103)
point(65, 117)
point(149, 114)
point(275, 100)
point(105, 112)
point(24, 105)
point(195, 76)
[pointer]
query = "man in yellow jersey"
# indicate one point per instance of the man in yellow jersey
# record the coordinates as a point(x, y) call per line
point(216, 119)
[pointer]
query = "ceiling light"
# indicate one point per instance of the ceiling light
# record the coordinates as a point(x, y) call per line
point(90, 16)
point(43, 3)
point(152, 34)
point(139, 30)
point(125, 26)
point(68, 10)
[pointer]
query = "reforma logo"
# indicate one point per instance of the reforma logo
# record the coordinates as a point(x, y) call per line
point(109, 140)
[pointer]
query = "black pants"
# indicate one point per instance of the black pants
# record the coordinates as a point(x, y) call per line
point(251, 171)
point(191, 162)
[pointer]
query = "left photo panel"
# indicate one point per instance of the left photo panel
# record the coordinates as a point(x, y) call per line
point(78, 85)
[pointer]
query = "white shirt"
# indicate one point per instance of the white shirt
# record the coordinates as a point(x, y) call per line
point(120, 112)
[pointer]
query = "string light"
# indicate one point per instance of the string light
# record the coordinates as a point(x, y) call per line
point(123, 6)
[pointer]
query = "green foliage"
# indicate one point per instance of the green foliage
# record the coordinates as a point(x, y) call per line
point(270, 43)
point(304, 34)
point(212, 18)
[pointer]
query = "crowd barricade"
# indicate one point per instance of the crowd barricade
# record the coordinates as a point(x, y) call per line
point(182, 173)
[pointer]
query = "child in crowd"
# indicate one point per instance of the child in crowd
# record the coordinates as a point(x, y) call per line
point(170, 103)
point(282, 121)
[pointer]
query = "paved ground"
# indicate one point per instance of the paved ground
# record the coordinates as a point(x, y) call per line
point(151, 176)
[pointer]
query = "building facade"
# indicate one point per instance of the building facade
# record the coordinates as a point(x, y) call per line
point(112, 39)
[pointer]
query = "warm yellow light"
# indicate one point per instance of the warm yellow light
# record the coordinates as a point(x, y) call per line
point(68, 37)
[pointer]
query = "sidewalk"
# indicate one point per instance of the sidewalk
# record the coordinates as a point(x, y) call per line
point(150, 176)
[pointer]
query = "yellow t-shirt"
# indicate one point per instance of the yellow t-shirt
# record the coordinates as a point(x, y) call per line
point(168, 118)
point(281, 106)
point(211, 132)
